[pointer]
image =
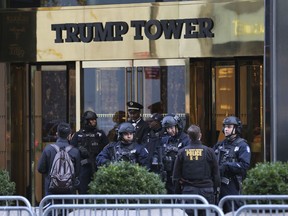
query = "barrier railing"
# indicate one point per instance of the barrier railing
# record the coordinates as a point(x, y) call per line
point(132, 209)
point(260, 200)
point(15, 201)
point(15, 205)
point(128, 200)
point(255, 210)
point(146, 205)
point(16, 211)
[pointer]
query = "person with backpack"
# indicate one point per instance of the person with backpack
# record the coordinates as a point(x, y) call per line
point(60, 163)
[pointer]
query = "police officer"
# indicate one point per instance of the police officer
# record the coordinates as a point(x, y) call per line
point(233, 155)
point(90, 141)
point(153, 138)
point(196, 169)
point(125, 149)
point(166, 152)
point(141, 126)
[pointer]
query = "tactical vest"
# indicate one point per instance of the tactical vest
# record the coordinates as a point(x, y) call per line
point(227, 152)
point(195, 159)
point(124, 153)
point(89, 143)
point(170, 151)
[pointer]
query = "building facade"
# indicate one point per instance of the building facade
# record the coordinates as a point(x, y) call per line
point(200, 59)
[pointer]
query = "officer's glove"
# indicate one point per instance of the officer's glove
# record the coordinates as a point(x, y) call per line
point(223, 168)
point(83, 152)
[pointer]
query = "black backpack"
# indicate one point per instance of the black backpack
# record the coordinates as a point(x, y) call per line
point(62, 174)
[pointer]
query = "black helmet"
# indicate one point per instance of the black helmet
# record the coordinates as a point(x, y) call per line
point(88, 115)
point(172, 120)
point(125, 127)
point(232, 120)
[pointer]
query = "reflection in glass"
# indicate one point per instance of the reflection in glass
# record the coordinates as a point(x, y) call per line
point(159, 89)
point(104, 93)
point(54, 100)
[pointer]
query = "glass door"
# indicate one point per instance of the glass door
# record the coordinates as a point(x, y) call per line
point(237, 87)
point(159, 85)
point(106, 86)
point(52, 101)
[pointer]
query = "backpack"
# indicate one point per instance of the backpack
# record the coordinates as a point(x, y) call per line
point(62, 174)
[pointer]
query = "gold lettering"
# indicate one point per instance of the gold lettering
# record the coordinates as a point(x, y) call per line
point(244, 28)
point(194, 154)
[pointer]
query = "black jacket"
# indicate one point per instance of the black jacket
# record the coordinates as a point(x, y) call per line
point(196, 165)
point(47, 157)
point(142, 128)
point(114, 152)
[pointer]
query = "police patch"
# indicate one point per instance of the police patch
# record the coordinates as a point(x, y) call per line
point(248, 149)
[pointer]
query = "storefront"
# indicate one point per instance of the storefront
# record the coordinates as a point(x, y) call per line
point(201, 60)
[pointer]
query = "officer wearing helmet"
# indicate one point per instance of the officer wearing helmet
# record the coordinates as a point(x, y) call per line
point(125, 149)
point(90, 141)
point(167, 150)
point(153, 137)
point(233, 155)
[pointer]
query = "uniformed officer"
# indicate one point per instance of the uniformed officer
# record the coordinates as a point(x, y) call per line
point(125, 149)
point(141, 126)
point(196, 169)
point(153, 138)
point(90, 141)
point(233, 155)
point(166, 152)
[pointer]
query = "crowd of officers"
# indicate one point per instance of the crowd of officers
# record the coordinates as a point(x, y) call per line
point(160, 144)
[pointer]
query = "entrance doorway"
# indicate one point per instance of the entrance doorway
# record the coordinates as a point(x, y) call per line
point(52, 100)
point(224, 87)
point(201, 91)
point(159, 85)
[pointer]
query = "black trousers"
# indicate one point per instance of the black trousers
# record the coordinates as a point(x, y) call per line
point(207, 193)
point(231, 189)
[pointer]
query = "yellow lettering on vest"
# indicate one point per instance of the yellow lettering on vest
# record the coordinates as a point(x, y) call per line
point(194, 154)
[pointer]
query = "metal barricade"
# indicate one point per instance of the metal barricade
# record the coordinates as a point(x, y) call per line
point(16, 211)
point(15, 201)
point(144, 199)
point(15, 206)
point(131, 209)
point(262, 210)
point(252, 199)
